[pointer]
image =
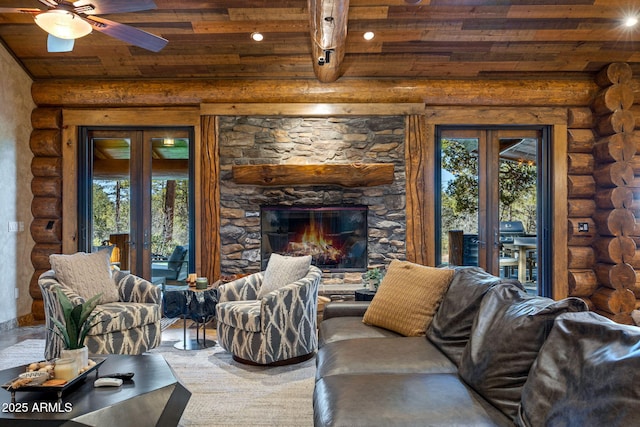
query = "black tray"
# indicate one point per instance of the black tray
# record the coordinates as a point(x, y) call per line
point(59, 389)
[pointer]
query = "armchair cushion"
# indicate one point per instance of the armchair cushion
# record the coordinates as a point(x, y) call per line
point(88, 274)
point(283, 270)
point(245, 315)
point(118, 316)
point(408, 298)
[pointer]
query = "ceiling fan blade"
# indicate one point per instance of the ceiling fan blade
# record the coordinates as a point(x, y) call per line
point(100, 7)
point(56, 44)
point(20, 10)
point(128, 34)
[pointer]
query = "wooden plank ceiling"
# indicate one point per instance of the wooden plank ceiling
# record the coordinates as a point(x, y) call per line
point(468, 39)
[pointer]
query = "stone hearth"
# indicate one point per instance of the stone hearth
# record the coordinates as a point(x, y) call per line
point(267, 140)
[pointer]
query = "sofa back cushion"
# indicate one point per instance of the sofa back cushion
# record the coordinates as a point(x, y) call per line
point(408, 297)
point(451, 326)
point(507, 334)
point(586, 374)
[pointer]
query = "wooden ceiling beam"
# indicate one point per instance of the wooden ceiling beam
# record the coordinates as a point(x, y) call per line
point(328, 21)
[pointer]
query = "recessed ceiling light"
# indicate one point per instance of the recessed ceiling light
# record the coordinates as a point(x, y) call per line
point(631, 21)
point(257, 36)
point(369, 35)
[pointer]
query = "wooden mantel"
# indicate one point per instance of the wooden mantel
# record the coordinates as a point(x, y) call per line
point(345, 175)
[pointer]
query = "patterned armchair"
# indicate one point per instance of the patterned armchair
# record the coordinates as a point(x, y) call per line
point(129, 326)
point(277, 329)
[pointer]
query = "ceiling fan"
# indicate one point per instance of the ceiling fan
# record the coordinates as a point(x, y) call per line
point(66, 21)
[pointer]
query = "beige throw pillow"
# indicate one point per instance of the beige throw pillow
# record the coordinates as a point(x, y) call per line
point(408, 297)
point(88, 274)
point(283, 270)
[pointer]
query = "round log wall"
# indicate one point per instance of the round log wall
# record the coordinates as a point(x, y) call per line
point(607, 277)
point(46, 187)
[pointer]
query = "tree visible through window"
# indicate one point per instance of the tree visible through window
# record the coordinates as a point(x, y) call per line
point(517, 184)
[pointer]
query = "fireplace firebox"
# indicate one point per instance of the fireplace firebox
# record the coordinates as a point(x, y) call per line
point(334, 236)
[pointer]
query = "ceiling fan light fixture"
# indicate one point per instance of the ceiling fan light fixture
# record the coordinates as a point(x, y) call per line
point(63, 24)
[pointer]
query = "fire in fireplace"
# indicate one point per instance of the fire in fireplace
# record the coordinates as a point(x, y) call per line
point(334, 236)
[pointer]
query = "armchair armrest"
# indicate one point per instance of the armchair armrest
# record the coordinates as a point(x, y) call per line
point(344, 309)
point(48, 283)
point(243, 289)
point(135, 289)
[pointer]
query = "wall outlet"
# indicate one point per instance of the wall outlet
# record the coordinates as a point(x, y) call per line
point(17, 291)
point(583, 227)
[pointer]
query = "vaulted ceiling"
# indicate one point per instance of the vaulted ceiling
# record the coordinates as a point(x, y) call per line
point(432, 39)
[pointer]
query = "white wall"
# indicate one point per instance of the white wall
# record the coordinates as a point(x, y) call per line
point(15, 190)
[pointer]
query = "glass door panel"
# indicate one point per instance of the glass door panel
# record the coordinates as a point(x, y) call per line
point(111, 195)
point(170, 229)
point(459, 200)
point(518, 205)
point(139, 200)
point(489, 202)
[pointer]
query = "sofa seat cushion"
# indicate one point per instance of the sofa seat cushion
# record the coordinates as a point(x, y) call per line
point(244, 315)
point(586, 374)
point(507, 335)
point(400, 355)
point(408, 298)
point(451, 326)
point(119, 316)
point(345, 328)
point(401, 400)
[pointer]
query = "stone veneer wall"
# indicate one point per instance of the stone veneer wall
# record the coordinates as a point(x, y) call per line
point(268, 140)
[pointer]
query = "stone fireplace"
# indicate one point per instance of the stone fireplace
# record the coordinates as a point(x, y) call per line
point(268, 140)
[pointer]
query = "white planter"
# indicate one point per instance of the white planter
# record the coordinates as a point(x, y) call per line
point(81, 355)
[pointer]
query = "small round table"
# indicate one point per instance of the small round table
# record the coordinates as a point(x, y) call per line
point(198, 305)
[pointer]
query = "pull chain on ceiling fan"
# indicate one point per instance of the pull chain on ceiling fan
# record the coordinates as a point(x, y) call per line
point(66, 21)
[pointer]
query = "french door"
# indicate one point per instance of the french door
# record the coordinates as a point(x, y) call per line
point(494, 205)
point(136, 196)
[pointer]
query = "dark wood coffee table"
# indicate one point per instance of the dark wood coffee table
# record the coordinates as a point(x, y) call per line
point(155, 397)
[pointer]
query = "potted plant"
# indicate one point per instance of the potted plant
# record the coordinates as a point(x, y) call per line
point(77, 323)
point(372, 278)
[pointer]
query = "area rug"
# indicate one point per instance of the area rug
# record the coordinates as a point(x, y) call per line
point(227, 393)
point(22, 353)
point(224, 392)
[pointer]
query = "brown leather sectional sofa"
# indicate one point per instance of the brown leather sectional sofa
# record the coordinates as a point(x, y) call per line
point(493, 356)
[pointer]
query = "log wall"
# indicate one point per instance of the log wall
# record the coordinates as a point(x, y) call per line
point(610, 282)
point(46, 205)
point(599, 156)
point(581, 192)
